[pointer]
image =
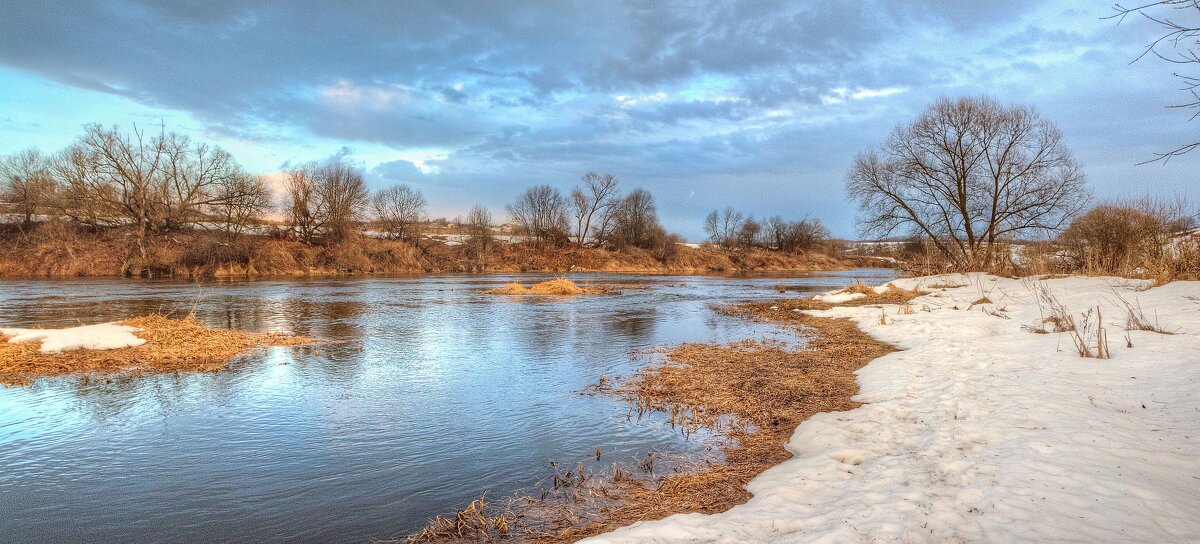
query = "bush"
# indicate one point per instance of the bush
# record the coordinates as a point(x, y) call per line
point(1115, 239)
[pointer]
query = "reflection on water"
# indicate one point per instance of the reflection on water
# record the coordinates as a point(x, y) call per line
point(427, 394)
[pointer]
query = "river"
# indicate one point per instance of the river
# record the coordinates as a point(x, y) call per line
point(425, 394)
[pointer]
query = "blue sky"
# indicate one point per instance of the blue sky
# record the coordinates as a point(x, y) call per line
point(760, 105)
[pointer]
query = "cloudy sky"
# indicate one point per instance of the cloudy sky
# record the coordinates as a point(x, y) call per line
point(757, 104)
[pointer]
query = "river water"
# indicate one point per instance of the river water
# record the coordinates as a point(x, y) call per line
point(427, 394)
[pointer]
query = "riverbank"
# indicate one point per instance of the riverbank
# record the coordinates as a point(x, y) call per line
point(990, 425)
point(60, 250)
point(152, 344)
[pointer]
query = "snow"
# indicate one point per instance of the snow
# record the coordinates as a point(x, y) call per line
point(97, 337)
point(836, 297)
point(979, 430)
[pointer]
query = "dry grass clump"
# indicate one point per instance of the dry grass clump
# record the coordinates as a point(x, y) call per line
point(172, 345)
point(557, 286)
point(1055, 314)
point(768, 389)
point(471, 524)
point(560, 287)
point(859, 287)
point(1136, 320)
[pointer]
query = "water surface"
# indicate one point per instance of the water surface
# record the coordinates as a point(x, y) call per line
point(429, 394)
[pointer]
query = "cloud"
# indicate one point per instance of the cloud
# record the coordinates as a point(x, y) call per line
point(684, 97)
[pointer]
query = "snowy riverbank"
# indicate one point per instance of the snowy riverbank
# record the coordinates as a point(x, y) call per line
point(981, 430)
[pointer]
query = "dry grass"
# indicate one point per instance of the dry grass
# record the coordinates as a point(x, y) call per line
point(1136, 320)
point(1081, 332)
point(172, 345)
point(471, 524)
point(859, 287)
point(560, 287)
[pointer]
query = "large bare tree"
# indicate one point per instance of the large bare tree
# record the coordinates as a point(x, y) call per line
point(128, 173)
point(724, 226)
point(325, 201)
point(239, 201)
point(194, 176)
point(966, 174)
point(301, 202)
point(541, 214)
point(398, 210)
point(1178, 45)
point(592, 206)
point(26, 183)
point(635, 220)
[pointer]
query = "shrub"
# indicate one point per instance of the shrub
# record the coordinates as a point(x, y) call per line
point(1114, 239)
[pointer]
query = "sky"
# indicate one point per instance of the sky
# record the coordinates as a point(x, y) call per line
point(759, 105)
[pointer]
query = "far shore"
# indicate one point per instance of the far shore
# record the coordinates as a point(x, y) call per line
point(202, 255)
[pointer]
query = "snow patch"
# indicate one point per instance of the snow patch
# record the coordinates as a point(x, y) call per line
point(97, 337)
point(982, 431)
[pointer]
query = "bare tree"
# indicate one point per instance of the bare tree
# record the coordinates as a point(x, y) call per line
point(398, 210)
point(790, 236)
point(749, 233)
point(1178, 45)
point(805, 234)
point(345, 197)
point(193, 177)
point(541, 213)
point(84, 198)
point(26, 183)
point(724, 226)
point(240, 201)
point(302, 203)
point(479, 226)
point(775, 232)
point(635, 221)
point(597, 196)
point(966, 174)
point(128, 173)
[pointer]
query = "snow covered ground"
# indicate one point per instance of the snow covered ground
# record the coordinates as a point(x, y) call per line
point(102, 336)
point(982, 431)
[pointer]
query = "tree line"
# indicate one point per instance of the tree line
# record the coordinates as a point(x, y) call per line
point(730, 229)
point(157, 182)
point(595, 214)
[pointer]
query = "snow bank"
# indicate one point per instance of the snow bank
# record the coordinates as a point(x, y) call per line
point(102, 336)
point(980, 431)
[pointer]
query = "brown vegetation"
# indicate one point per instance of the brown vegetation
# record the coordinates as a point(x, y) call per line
point(63, 249)
point(1143, 238)
point(172, 345)
point(556, 286)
